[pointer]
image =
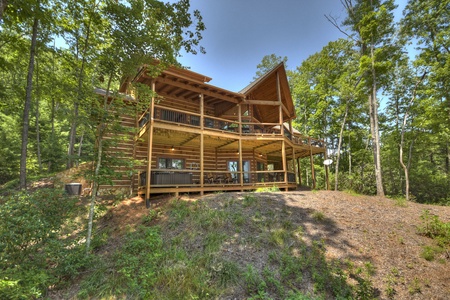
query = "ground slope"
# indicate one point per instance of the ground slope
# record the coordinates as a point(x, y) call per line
point(373, 234)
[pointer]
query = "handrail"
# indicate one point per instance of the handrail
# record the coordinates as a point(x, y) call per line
point(232, 126)
point(176, 110)
point(255, 178)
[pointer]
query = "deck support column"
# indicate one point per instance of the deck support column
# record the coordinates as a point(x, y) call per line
point(241, 173)
point(293, 164)
point(283, 143)
point(299, 170)
point(326, 171)
point(202, 144)
point(283, 155)
point(313, 176)
point(150, 147)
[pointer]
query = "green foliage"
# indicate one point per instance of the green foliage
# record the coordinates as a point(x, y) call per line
point(269, 62)
point(435, 229)
point(318, 216)
point(400, 201)
point(168, 262)
point(415, 286)
point(35, 244)
point(272, 189)
point(249, 200)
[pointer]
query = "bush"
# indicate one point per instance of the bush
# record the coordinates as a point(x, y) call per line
point(31, 244)
point(435, 229)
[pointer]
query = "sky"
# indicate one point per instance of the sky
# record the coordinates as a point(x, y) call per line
point(239, 33)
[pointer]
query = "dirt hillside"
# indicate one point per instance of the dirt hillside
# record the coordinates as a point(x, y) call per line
point(360, 229)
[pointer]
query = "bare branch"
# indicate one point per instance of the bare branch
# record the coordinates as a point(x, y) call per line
point(333, 21)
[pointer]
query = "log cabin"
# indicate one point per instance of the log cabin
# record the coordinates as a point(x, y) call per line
point(195, 137)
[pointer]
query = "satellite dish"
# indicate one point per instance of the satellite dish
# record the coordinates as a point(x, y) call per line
point(327, 162)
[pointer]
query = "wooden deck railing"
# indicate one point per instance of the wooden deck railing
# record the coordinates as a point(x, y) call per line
point(171, 115)
point(186, 177)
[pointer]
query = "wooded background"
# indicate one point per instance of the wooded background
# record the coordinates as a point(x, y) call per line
point(384, 115)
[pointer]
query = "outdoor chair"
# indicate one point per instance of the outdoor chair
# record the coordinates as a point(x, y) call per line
point(228, 178)
point(210, 178)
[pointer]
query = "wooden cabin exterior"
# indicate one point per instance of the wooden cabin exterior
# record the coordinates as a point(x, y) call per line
point(195, 137)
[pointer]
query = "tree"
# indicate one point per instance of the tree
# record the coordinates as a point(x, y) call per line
point(140, 32)
point(3, 4)
point(372, 27)
point(427, 21)
point(327, 98)
point(268, 63)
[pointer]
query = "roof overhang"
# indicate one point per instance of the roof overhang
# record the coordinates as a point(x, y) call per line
point(269, 90)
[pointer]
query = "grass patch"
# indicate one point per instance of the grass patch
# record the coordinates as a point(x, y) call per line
point(318, 216)
point(249, 200)
point(213, 248)
point(437, 230)
point(271, 189)
point(352, 192)
point(399, 201)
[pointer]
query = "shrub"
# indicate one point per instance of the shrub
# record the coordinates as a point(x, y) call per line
point(435, 229)
point(33, 250)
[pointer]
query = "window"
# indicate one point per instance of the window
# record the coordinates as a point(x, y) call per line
point(170, 163)
point(233, 168)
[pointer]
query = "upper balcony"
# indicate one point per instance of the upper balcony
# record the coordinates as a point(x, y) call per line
point(247, 128)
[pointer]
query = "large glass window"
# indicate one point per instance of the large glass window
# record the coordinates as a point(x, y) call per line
point(233, 168)
point(170, 163)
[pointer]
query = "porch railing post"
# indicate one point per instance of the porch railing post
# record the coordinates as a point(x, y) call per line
point(150, 147)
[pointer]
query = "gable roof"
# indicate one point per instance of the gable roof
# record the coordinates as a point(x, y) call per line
point(272, 87)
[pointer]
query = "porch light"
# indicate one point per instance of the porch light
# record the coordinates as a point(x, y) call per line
point(173, 148)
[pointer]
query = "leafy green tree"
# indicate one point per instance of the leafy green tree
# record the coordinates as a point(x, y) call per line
point(373, 31)
point(3, 4)
point(33, 249)
point(427, 22)
point(140, 32)
point(327, 98)
point(267, 63)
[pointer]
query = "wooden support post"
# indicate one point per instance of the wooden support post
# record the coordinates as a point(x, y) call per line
point(293, 164)
point(202, 144)
point(313, 176)
point(281, 105)
point(241, 174)
point(283, 156)
point(326, 172)
point(150, 147)
point(290, 129)
point(299, 171)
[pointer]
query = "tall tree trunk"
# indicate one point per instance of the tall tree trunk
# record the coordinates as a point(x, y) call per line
point(402, 139)
point(338, 156)
point(38, 139)
point(3, 4)
point(373, 113)
point(27, 105)
point(95, 183)
point(350, 156)
point(80, 146)
point(80, 96)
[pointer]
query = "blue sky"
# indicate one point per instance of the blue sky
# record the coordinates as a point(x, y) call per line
point(239, 33)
